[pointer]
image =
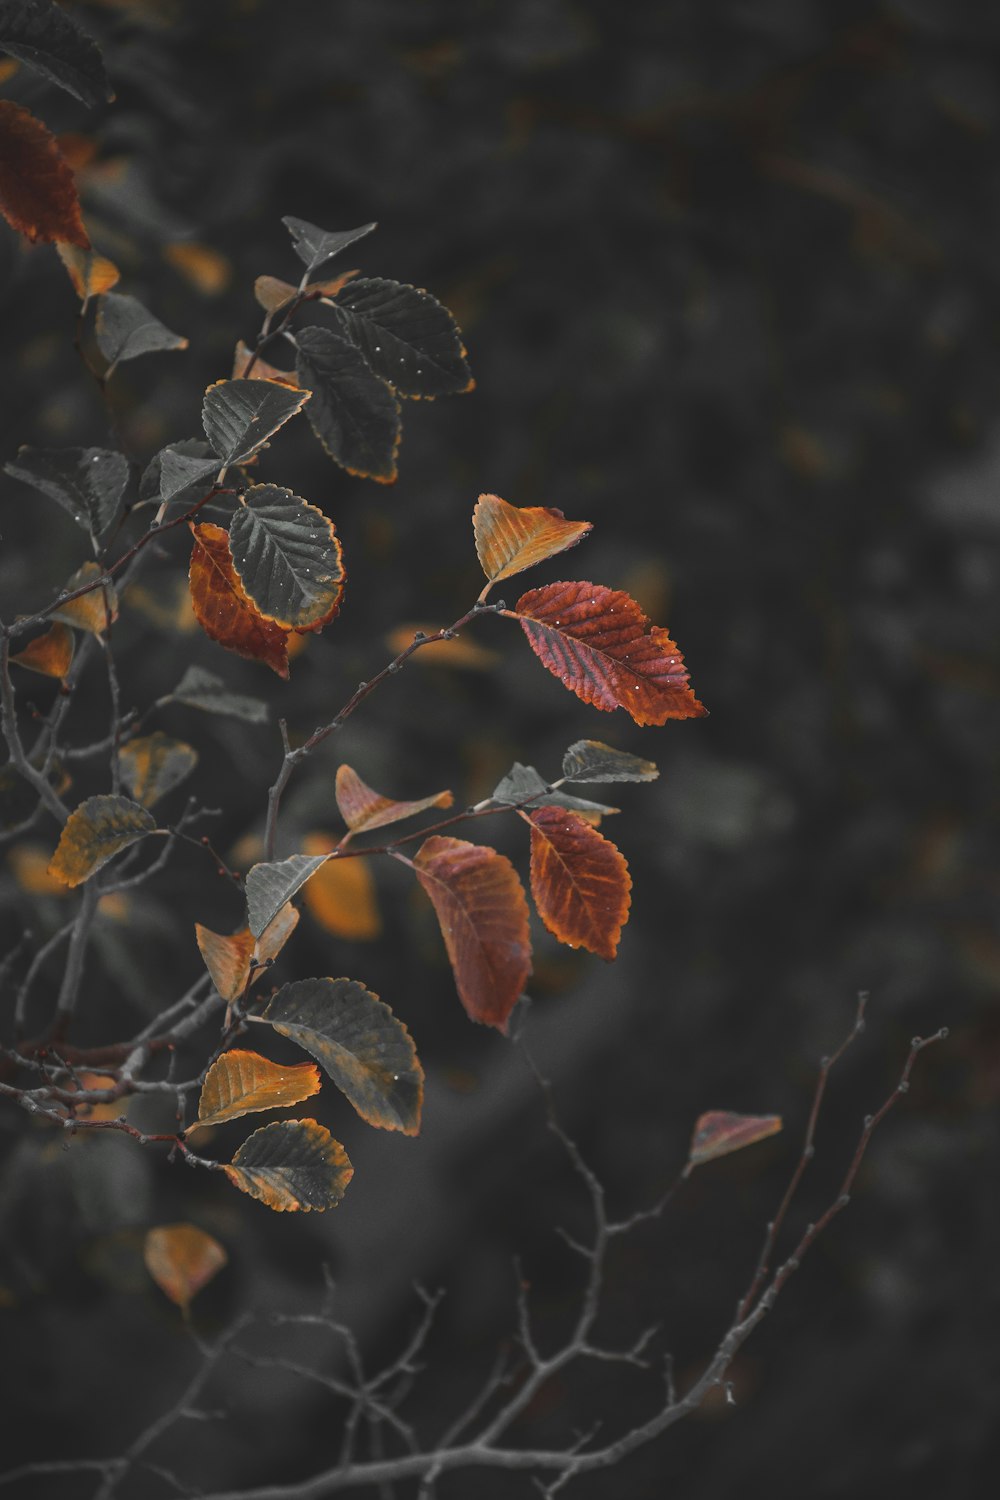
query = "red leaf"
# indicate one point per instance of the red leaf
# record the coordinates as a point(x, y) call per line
point(483, 912)
point(580, 881)
point(37, 192)
point(719, 1132)
point(221, 605)
point(598, 642)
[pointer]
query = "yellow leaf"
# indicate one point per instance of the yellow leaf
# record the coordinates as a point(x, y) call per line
point(243, 1083)
point(341, 894)
point(181, 1258)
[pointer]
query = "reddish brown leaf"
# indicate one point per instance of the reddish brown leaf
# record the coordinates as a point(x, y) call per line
point(580, 881)
point(261, 369)
point(243, 1083)
point(601, 646)
point(221, 605)
point(341, 894)
point(181, 1258)
point(483, 913)
point(295, 1164)
point(362, 808)
point(719, 1132)
point(50, 654)
point(37, 192)
point(510, 538)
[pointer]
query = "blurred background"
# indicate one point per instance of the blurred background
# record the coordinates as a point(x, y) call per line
point(727, 274)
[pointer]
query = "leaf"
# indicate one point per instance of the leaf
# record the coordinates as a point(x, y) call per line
point(261, 369)
point(207, 270)
point(361, 1045)
point(88, 483)
point(363, 809)
point(459, 652)
point(42, 35)
point(269, 886)
point(92, 611)
point(510, 538)
point(288, 557)
point(315, 246)
point(353, 413)
point(222, 608)
point(181, 1258)
point(580, 881)
point(150, 484)
point(341, 895)
point(201, 689)
point(589, 760)
point(523, 785)
point(275, 936)
point(244, 1083)
point(483, 915)
point(38, 196)
point(294, 1164)
point(599, 644)
point(89, 272)
point(124, 329)
point(184, 476)
point(406, 336)
point(154, 765)
point(50, 653)
point(272, 294)
point(30, 866)
point(227, 958)
point(240, 415)
point(719, 1132)
point(94, 832)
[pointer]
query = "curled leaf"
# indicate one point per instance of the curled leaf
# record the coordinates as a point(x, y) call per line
point(93, 611)
point(363, 809)
point(228, 958)
point(719, 1131)
point(50, 653)
point(243, 1083)
point(125, 329)
point(94, 832)
point(510, 538)
point(181, 1258)
point(292, 1165)
point(270, 885)
point(589, 760)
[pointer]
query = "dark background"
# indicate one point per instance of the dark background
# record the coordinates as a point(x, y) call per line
point(727, 276)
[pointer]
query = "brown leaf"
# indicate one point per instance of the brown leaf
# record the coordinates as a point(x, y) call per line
point(294, 1164)
point(208, 271)
point(181, 1258)
point(510, 538)
point(221, 605)
point(483, 914)
point(363, 809)
point(580, 881)
point(341, 894)
point(30, 864)
point(96, 609)
point(243, 1083)
point(37, 193)
point(719, 1132)
point(227, 958)
point(89, 272)
point(154, 765)
point(261, 369)
point(96, 831)
point(276, 934)
point(271, 293)
point(600, 645)
point(51, 653)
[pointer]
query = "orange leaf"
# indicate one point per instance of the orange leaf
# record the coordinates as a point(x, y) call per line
point(276, 934)
point(341, 894)
point(243, 1083)
point(510, 538)
point(483, 914)
point(96, 609)
point(580, 881)
point(719, 1132)
point(89, 272)
point(261, 369)
point(37, 192)
point(181, 1259)
point(294, 1164)
point(458, 652)
point(94, 832)
point(227, 959)
point(208, 271)
point(363, 809)
point(50, 654)
point(30, 864)
point(221, 605)
point(600, 645)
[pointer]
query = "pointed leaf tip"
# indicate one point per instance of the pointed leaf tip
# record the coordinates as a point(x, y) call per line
point(719, 1132)
point(510, 539)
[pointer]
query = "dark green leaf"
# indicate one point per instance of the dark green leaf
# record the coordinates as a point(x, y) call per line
point(87, 482)
point(182, 476)
point(361, 1045)
point(315, 247)
point(287, 556)
point(406, 336)
point(149, 484)
point(240, 415)
point(201, 689)
point(295, 1164)
point(353, 413)
point(41, 34)
point(523, 782)
point(125, 329)
point(589, 760)
point(269, 886)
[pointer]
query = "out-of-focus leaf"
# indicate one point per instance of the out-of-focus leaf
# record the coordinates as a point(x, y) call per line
point(124, 329)
point(315, 246)
point(260, 369)
point(600, 645)
point(341, 895)
point(207, 270)
point(523, 785)
point(222, 607)
point(240, 415)
point(353, 413)
point(88, 483)
point(510, 538)
point(38, 196)
point(243, 1083)
point(589, 760)
point(719, 1131)
point(201, 689)
point(367, 1052)
point(460, 651)
point(89, 272)
point(269, 886)
point(154, 765)
point(95, 831)
point(288, 557)
point(483, 915)
point(293, 1165)
point(42, 35)
point(181, 1258)
point(363, 809)
point(93, 611)
point(406, 336)
point(580, 881)
point(30, 864)
point(50, 653)
point(271, 294)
